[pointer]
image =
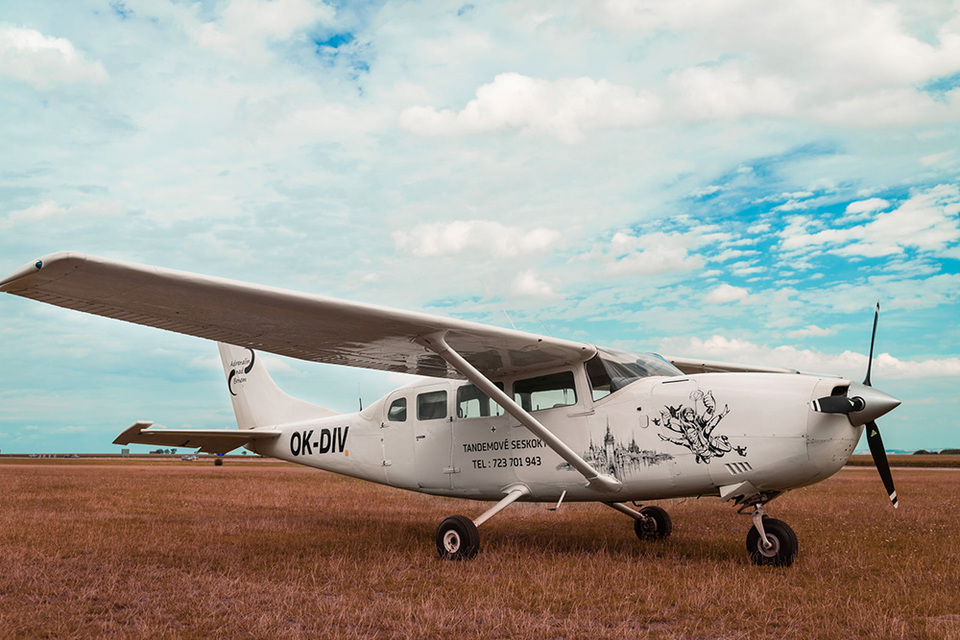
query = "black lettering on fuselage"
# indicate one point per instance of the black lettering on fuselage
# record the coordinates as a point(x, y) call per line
point(305, 447)
point(330, 441)
point(295, 443)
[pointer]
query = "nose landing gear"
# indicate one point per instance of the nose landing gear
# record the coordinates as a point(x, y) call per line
point(771, 542)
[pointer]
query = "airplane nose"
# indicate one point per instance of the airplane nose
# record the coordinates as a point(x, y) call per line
point(875, 403)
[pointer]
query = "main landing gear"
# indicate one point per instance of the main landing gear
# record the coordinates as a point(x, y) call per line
point(458, 538)
point(649, 523)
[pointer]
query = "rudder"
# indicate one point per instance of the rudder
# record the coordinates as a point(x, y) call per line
point(257, 400)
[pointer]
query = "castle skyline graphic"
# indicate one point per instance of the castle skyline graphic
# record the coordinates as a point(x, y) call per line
point(618, 459)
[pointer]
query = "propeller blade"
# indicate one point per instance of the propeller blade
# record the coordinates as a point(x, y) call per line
point(880, 460)
point(838, 404)
point(873, 336)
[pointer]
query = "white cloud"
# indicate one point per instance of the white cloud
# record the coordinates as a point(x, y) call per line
point(44, 61)
point(848, 363)
point(566, 108)
point(649, 254)
point(485, 237)
point(50, 210)
point(811, 331)
point(936, 158)
point(853, 62)
point(246, 26)
point(725, 293)
point(869, 205)
point(529, 284)
point(727, 92)
point(927, 221)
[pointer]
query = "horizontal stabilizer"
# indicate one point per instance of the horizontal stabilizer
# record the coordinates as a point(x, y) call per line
point(207, 440)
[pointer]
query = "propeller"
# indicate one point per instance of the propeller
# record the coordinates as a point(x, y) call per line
point(863, 405)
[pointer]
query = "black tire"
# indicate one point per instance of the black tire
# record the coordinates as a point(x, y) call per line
point(458, 539)
point(783, 551)
point(656, 526)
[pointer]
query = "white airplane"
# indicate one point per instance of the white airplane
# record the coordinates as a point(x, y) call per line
point(504, 416)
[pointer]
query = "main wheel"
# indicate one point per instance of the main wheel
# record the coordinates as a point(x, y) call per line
point(458, 538)
point(783, 544)
point(656, 525)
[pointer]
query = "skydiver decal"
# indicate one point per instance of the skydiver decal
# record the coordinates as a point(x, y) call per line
point(248, 367)
point(617, 459)
point(695, 426)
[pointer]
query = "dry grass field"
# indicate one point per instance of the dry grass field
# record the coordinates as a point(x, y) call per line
point(268, 550)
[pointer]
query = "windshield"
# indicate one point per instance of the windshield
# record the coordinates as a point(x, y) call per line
point(610, 370)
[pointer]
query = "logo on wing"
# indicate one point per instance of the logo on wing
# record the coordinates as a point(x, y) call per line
point(238, 372)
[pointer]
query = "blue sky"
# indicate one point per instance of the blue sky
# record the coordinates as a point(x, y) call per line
point(731, 180)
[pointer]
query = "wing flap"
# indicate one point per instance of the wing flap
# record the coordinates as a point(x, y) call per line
point(289, 323)
point(206, 440)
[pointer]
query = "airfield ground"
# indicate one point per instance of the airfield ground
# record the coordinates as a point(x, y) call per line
point(260, 549)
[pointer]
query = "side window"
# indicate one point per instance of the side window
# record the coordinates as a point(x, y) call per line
point(474, 403)
point(398, 410)
point(546, 392)
point(432, 405)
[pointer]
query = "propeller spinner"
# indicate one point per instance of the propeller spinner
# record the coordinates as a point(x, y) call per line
point(863, 405)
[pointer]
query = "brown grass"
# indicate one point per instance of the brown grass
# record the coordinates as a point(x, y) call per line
point(276, 551)
point(908, 460)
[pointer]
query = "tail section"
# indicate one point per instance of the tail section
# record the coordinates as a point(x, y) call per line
point(257, 400)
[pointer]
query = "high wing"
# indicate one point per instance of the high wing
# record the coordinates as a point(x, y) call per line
point(691, 366)
point(298, 325)
point(207, 440)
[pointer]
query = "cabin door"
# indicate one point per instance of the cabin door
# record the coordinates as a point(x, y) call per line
point(433, 439)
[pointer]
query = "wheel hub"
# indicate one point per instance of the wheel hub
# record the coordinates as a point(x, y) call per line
point(771, 550)
point(451, 541)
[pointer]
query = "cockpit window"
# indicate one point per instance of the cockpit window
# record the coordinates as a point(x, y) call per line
point(610, 371)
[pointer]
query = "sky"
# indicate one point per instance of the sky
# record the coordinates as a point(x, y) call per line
point(734, 180)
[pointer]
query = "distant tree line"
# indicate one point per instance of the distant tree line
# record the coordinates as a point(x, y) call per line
point(943, 452)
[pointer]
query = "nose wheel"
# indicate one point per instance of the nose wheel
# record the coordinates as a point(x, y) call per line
point(771, 542)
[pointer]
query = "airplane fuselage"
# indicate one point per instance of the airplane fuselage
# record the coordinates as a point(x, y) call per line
point(661, 437)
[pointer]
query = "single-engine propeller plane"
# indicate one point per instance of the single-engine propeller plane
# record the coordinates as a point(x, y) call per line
point(503, 415)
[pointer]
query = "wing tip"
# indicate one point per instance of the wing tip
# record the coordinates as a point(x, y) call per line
point(37, 265)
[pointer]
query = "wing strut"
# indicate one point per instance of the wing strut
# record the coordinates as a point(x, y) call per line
point(435, 342)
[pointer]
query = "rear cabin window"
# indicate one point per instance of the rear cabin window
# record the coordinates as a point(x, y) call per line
point(398, 410)
point(474, 403)
point(545, 392)
point(432, 405)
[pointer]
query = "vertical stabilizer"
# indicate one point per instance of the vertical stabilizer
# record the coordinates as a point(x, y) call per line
point(257, 400)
